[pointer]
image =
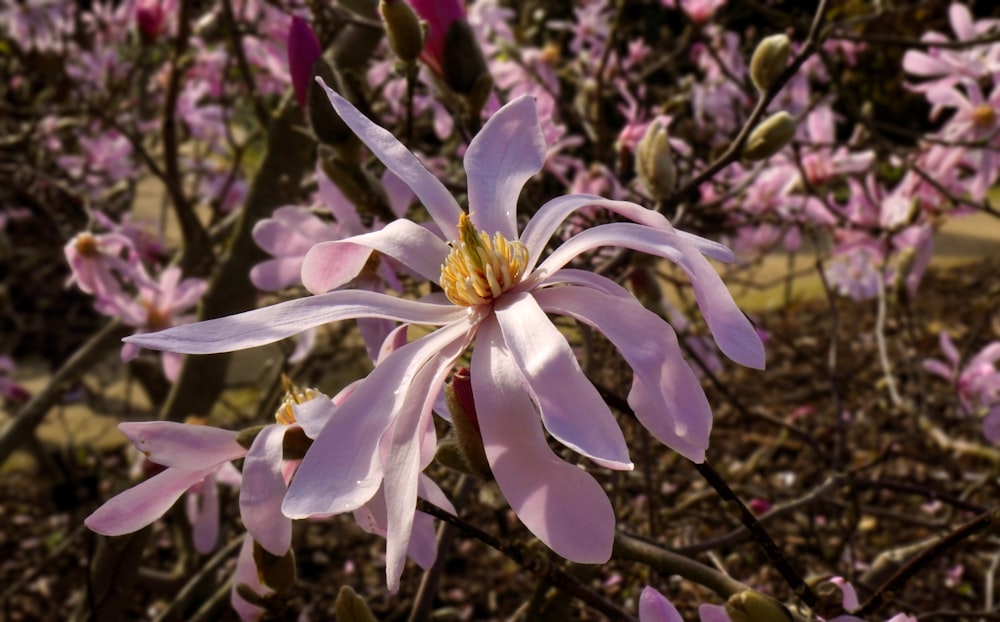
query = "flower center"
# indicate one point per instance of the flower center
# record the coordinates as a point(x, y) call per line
point(86, 245)
point(479, 269)
point(285, 414)
point(984, 116)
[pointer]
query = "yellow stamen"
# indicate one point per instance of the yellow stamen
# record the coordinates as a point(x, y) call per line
point(478, 270)
point(86, 245)
point(285, 414)
point(984, 116)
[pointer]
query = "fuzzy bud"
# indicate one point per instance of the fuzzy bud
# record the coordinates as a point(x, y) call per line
point(351, 608)
point(402, 27)
point(769, 60)
point(462, 405)
point(770, 136)
point(752, 606)
point(276, 572)
point(654, 164)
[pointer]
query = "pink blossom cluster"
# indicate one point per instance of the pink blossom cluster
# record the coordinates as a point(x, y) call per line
point(977, 382)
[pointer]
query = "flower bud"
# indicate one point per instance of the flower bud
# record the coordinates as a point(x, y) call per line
point(303, 52)
point(402, 27)
point(654, 164)
point(464, 66)
point(769, 60)
point(770, 136)
point(276, 572)
point(462, 404)
point(752, 606)
point(150, 18)
point(350, 607)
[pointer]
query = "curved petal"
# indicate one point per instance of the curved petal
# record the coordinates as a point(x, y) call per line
point(182, 445)
point(547, 219)
point(558, 502)
point(263, 490)
point(654, 607)
point(274, 274)
point(331, 264)
point(246, 574)
point(314, 414)
point(732, 331)
point(666, 395)
point(571, 408)
point(342, 469)
point(401, 457)
point(270, 324)
point(436, 199)
point(507, 151)
point(203, 512)
point(292, 230)
point(143, 503)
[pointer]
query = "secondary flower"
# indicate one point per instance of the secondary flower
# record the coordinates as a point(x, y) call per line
point(978, 383)
point(497, 293)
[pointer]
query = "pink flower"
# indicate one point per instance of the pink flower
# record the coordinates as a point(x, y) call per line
point(978, 383)
point(161, 306)
point(498, 290)
point(102, 263)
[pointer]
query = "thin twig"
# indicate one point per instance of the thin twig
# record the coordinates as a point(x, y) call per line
point(773, 552)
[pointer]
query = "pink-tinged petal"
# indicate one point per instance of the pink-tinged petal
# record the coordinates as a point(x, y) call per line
point(314, 414)
point(342, 470)
point(303, 51)
point(291, 231)
point(374, 332)
point(429, 490)
point(850, 597)
point(666, 395)
point(713, 613)
point(203, 512)
point(398, 193)
point(987, 357)
point(923, 64)
point(142, 504)
point(262, 326)
point(329, 265)
point(303, 346)
point(961, 21)
point(272, 275)
point(938, 368)
point(571, 408)
point(558, 502)
point(401, 457)
point(182, 445)
point(129, 352)
point(344, 212)
point(332, 264)
point(654, 607)
point(991, 425)
point(948, 347)
point(423, 541)
point(507, 151)
point(187, 294)
point(263, 490)
point(436, 199)
point(733, 332)
point(547, 219)
point(171, 362)
point(246, 573)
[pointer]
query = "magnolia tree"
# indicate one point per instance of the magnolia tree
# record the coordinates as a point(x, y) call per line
point(516, 205)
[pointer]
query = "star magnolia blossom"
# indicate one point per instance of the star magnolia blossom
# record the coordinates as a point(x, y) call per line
point(499, 291)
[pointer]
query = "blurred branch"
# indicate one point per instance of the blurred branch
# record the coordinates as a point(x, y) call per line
point(15, 432)
point(670, 563)
point(197, 253)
